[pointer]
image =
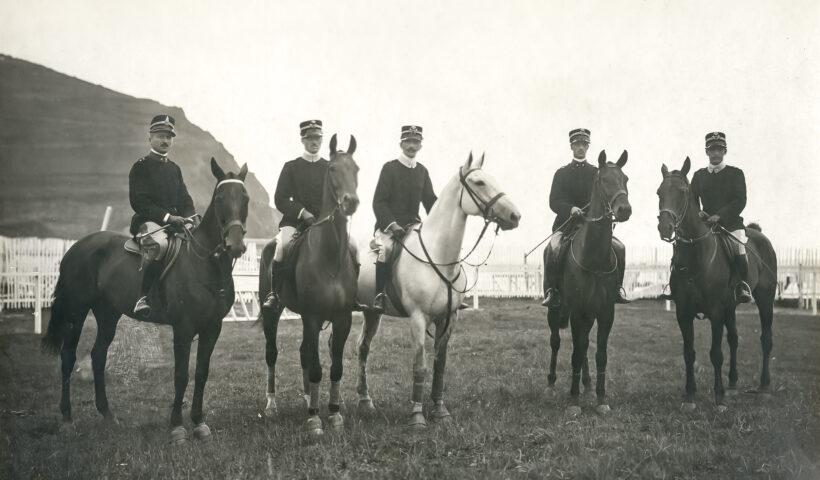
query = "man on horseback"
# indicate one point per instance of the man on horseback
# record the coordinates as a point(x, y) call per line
point(570, 193)
point(721, 191)
point(159, 197)
point(403, 184)
point(298, 196)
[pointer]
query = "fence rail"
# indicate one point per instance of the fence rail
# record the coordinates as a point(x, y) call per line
point(29, 271)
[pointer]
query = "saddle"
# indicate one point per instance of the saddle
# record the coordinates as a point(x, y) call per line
point(168, 257)
point(390, 288)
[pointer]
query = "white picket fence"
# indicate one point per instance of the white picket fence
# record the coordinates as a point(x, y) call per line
point(29, 270)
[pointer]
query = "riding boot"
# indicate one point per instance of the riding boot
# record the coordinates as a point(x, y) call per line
point(150, 271)
point(744, 293)
point(382, 275)
point(552, 272)
point(272, 302)
point(620, 256)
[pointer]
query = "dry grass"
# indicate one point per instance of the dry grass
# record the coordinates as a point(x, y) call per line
point(505, 426)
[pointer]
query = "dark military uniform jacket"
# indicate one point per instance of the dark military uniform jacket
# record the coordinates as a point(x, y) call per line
point(571, 187)
point(722, 193)
point(300, 185)
point(156, 189)
point(399, 192)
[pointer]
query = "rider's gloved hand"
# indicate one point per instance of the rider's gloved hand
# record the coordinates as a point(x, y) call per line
point(194, 221)
point(575, 212)
point(307, 217)
point(397, 231)
point(176, 220)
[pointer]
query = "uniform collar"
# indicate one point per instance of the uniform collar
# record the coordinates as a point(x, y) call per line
point(155, 155)
point(310, 157)
point(407, 161)
point(577, 163)
point(716, 168)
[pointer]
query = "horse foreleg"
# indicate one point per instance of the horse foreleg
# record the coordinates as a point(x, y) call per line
point(341, 330)
point(107, 318)
point(370, 325)
point(418, 325)
point(732, 339)
point(581, 325)
point(687, 330)
point(605, 321)
point(270, 324)
point(716, 355)
point(440, 411)
point(207, 341)
point(553, 319)
point(311, 370)
point(182, 353)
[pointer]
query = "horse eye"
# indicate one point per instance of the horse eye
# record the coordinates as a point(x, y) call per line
point(479, 183)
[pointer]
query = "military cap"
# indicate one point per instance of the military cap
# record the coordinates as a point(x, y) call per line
point(312, 127)
point(579, 134)
point(715, 138)
point(411, 131)
point(163, 123)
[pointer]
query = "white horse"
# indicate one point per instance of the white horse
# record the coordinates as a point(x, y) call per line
point(430, 256)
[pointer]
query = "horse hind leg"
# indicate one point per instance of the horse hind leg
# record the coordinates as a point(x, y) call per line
point(605, 322)
point(732, 340)
point(553, 319)
point(716, 356)
point(687, 329)
point(107, 318)
point(63, 335)
point(370, 325)
point(765, 307)
point(581, 326)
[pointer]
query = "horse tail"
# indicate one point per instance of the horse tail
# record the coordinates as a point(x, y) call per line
point(52, 341)
point(755, 226)
point(265, 279)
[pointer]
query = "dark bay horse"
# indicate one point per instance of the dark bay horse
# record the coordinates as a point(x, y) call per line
point(427, 259)
point(325, 289)
point(590, 282)
point(708, 287)
point(96, 273)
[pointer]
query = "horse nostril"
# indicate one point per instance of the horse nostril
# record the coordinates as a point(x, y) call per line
point(514, 217)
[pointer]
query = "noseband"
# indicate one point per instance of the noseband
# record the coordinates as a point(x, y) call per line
point(484, 207)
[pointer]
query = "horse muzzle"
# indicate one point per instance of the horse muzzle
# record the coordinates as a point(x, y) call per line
point(350, 203)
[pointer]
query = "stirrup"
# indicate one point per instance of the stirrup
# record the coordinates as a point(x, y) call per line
point(744, 293)
point(620, 296)
point(271, 301)
point(142, 307)
point(551, 298)
point(378, 303)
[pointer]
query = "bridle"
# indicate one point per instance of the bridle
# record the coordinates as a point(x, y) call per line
point(484, 207)
point(223, 245)
point(677, 218)
point(609, 213)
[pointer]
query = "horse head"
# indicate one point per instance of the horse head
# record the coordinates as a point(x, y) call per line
point(673, 195)
point(611, 187)
point(484, 198)
point(230, 207)
point(343, 177)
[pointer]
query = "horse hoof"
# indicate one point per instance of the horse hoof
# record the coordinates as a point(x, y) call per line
point(550, 391)
point(202, 432)
point(687, 407)
point(417, 421)
point(573, 411)
point(731, 392)
point(270, 408)
point(722, 408)
point(336, 422)
point(111, 419)
point(441, 414)
point(179, 435)
point(603, 409)
point(366, 405)
point(68, 427)
point(314, 426)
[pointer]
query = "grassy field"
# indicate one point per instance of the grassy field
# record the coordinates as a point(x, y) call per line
point(504, 425)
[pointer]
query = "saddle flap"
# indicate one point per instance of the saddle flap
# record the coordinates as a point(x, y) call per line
point(132, 247)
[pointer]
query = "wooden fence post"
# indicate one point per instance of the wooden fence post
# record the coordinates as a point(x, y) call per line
point(814, 293)
point(38, 304)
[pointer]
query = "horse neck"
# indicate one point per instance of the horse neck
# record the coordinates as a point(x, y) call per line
point(336, 233)
point(443, 231)
point(595, 238)
point(692, 226)
point(597, 205)
point(208, 233)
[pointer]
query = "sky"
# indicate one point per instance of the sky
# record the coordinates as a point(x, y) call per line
point(506, 78)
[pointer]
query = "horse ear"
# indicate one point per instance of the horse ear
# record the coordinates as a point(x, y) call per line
point(469, 160)
point(217, 170)
point(333, 144)
point(664, 170)
point(602, 159)
point(687, 164)
point(243, 171)
point(622, 161)
point(480, 162)
point(351, 147)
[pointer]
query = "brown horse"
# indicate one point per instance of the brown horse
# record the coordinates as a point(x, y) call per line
point(705, 285)
point(325, 289)
point(590, 282)
point(96, 273)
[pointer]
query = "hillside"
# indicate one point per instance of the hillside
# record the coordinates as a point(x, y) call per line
point(66, 147)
